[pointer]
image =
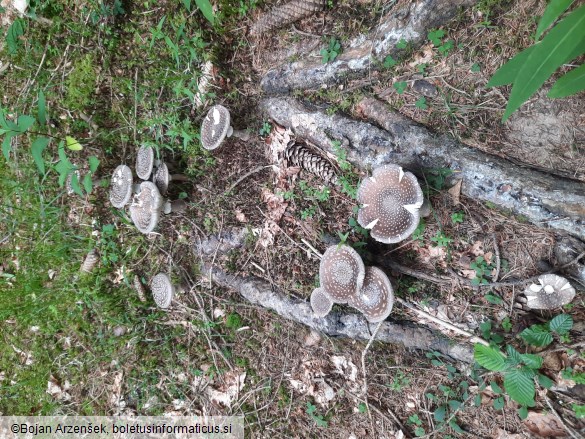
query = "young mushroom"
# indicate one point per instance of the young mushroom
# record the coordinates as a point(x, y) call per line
point(321, 303)
point(552, 292)
point(121, 186)
point(376, 297)
point(162, 178)
point(341, 273)
point(162, 290)
point(391, 199)
point(216, 127)
point(145, 162)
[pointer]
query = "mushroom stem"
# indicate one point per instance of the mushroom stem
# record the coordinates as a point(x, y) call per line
point(178, 177)
point(174, 206)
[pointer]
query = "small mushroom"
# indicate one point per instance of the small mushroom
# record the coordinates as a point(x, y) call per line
point(552, 292)
point(320, 302)
point(162, 178)
point(162, 290)
point(146, 207)
point(145, 162)
point(216, 127)
point(341, 273)
point(391, 199)
point(376, 297)
point(121, 186)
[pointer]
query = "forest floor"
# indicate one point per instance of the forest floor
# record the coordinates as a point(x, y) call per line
point(115, 75)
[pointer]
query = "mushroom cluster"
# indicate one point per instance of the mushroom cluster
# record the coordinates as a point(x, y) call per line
point(147, 202)
point(345, 279)
point(391, 200)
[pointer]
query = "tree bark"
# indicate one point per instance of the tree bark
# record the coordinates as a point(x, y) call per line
point(410, 23)
point(543, 199)
point(344, 324)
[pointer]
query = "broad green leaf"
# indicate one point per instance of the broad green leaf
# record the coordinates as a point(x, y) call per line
point(61, 151)
point(42, 107)
point(6, 145)
point(508, 72)
point(571, 83)
point(553, 11)
point(454, 404)
point(73, 144)
point(489, 357)
point(63, 168)
point(3, 131)
point(546, 56)
point(477, 400)
point(23, 123)
point(75, 184)
point(495, 388)
point(536, 336)
point(514, 357)
point(579, 410)
point(440, 413)
point(87, 183)
point(37, 149)
point(499, 403)
point(456, 428)
point(207, 10)
point(523, 412)
point(519, 386)
point(15, 31)
point(545, 381)
point(93, 163)
point(561, 324)
point(532, 361)
point(187, 4)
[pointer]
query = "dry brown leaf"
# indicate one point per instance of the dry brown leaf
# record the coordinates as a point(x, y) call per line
point(229, 390)
point(477, 248)
point(455, 192)
point(544, 425)
point(240, 216)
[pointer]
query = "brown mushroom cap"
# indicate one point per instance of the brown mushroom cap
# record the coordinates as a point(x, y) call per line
point(162, 178)
point(121, 186)
point(215, 127)
point(341, 273)
point(391, 199)
point(146, 207)
point(144, 162)
point(162, 290)
point(320, 302)
point(553, 292)
point(376, 297)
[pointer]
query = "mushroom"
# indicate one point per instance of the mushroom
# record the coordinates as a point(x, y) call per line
point(162, 290)
point(121, 186)
point(341, 273)
point(162, 178)
point(391, 199)
point(553, 292)
point(321, 302)
point(145, 161)
point(148, 204)
point(376, 297)
point(216, 127)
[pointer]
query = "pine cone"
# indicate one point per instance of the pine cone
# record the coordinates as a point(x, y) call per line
point(139, 289)
point(285, 14)
point(297, 154)
point(90, 261)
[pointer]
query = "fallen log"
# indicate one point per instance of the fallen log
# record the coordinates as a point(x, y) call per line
point(335, 324)
point(410, 23)
point(543, 199)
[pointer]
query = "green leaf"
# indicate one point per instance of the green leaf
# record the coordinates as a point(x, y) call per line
point(553, 11)
point(63, 168)
point(389, 62)
point(561, 324)
point(456, 428)
point(495, 388)
point(440, 413)
point(536, 336)
point(15, 31)
point(499, 403)
point(42, 109)
point(421, 103)
point(207, 10)
point(73, 144)
point(489, 357)
point(520, 386)
point(579, 410)
point(571, 83)
point(532, 361)
point(454, 405)
point(402, 44)
point(419, 431)
point(6, 145)
point(514, 357)
point(23, 123)
point(93, 163)
point(546, 56)
point(475, 68)
point(477, 400)
point(545, 381)
point(75, 184)
point(523, 412)
point(37, 149)
point(400, 86)
point(508, 72)
point(187, 4)
point(491, 298)
point(87, 183)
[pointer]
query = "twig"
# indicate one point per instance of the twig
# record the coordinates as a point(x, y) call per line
point(497, 252)
point(319, 255)
point(364, 352)
point(415, 273)
point(573, 433)
point(243, 177)
point(472, 338)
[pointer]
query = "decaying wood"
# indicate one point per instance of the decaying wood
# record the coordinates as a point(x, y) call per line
point(543, 199)
point(410, 23)
point(335, 324)
point(285, 14)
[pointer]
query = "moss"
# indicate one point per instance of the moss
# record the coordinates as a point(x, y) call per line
point(81, 84)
